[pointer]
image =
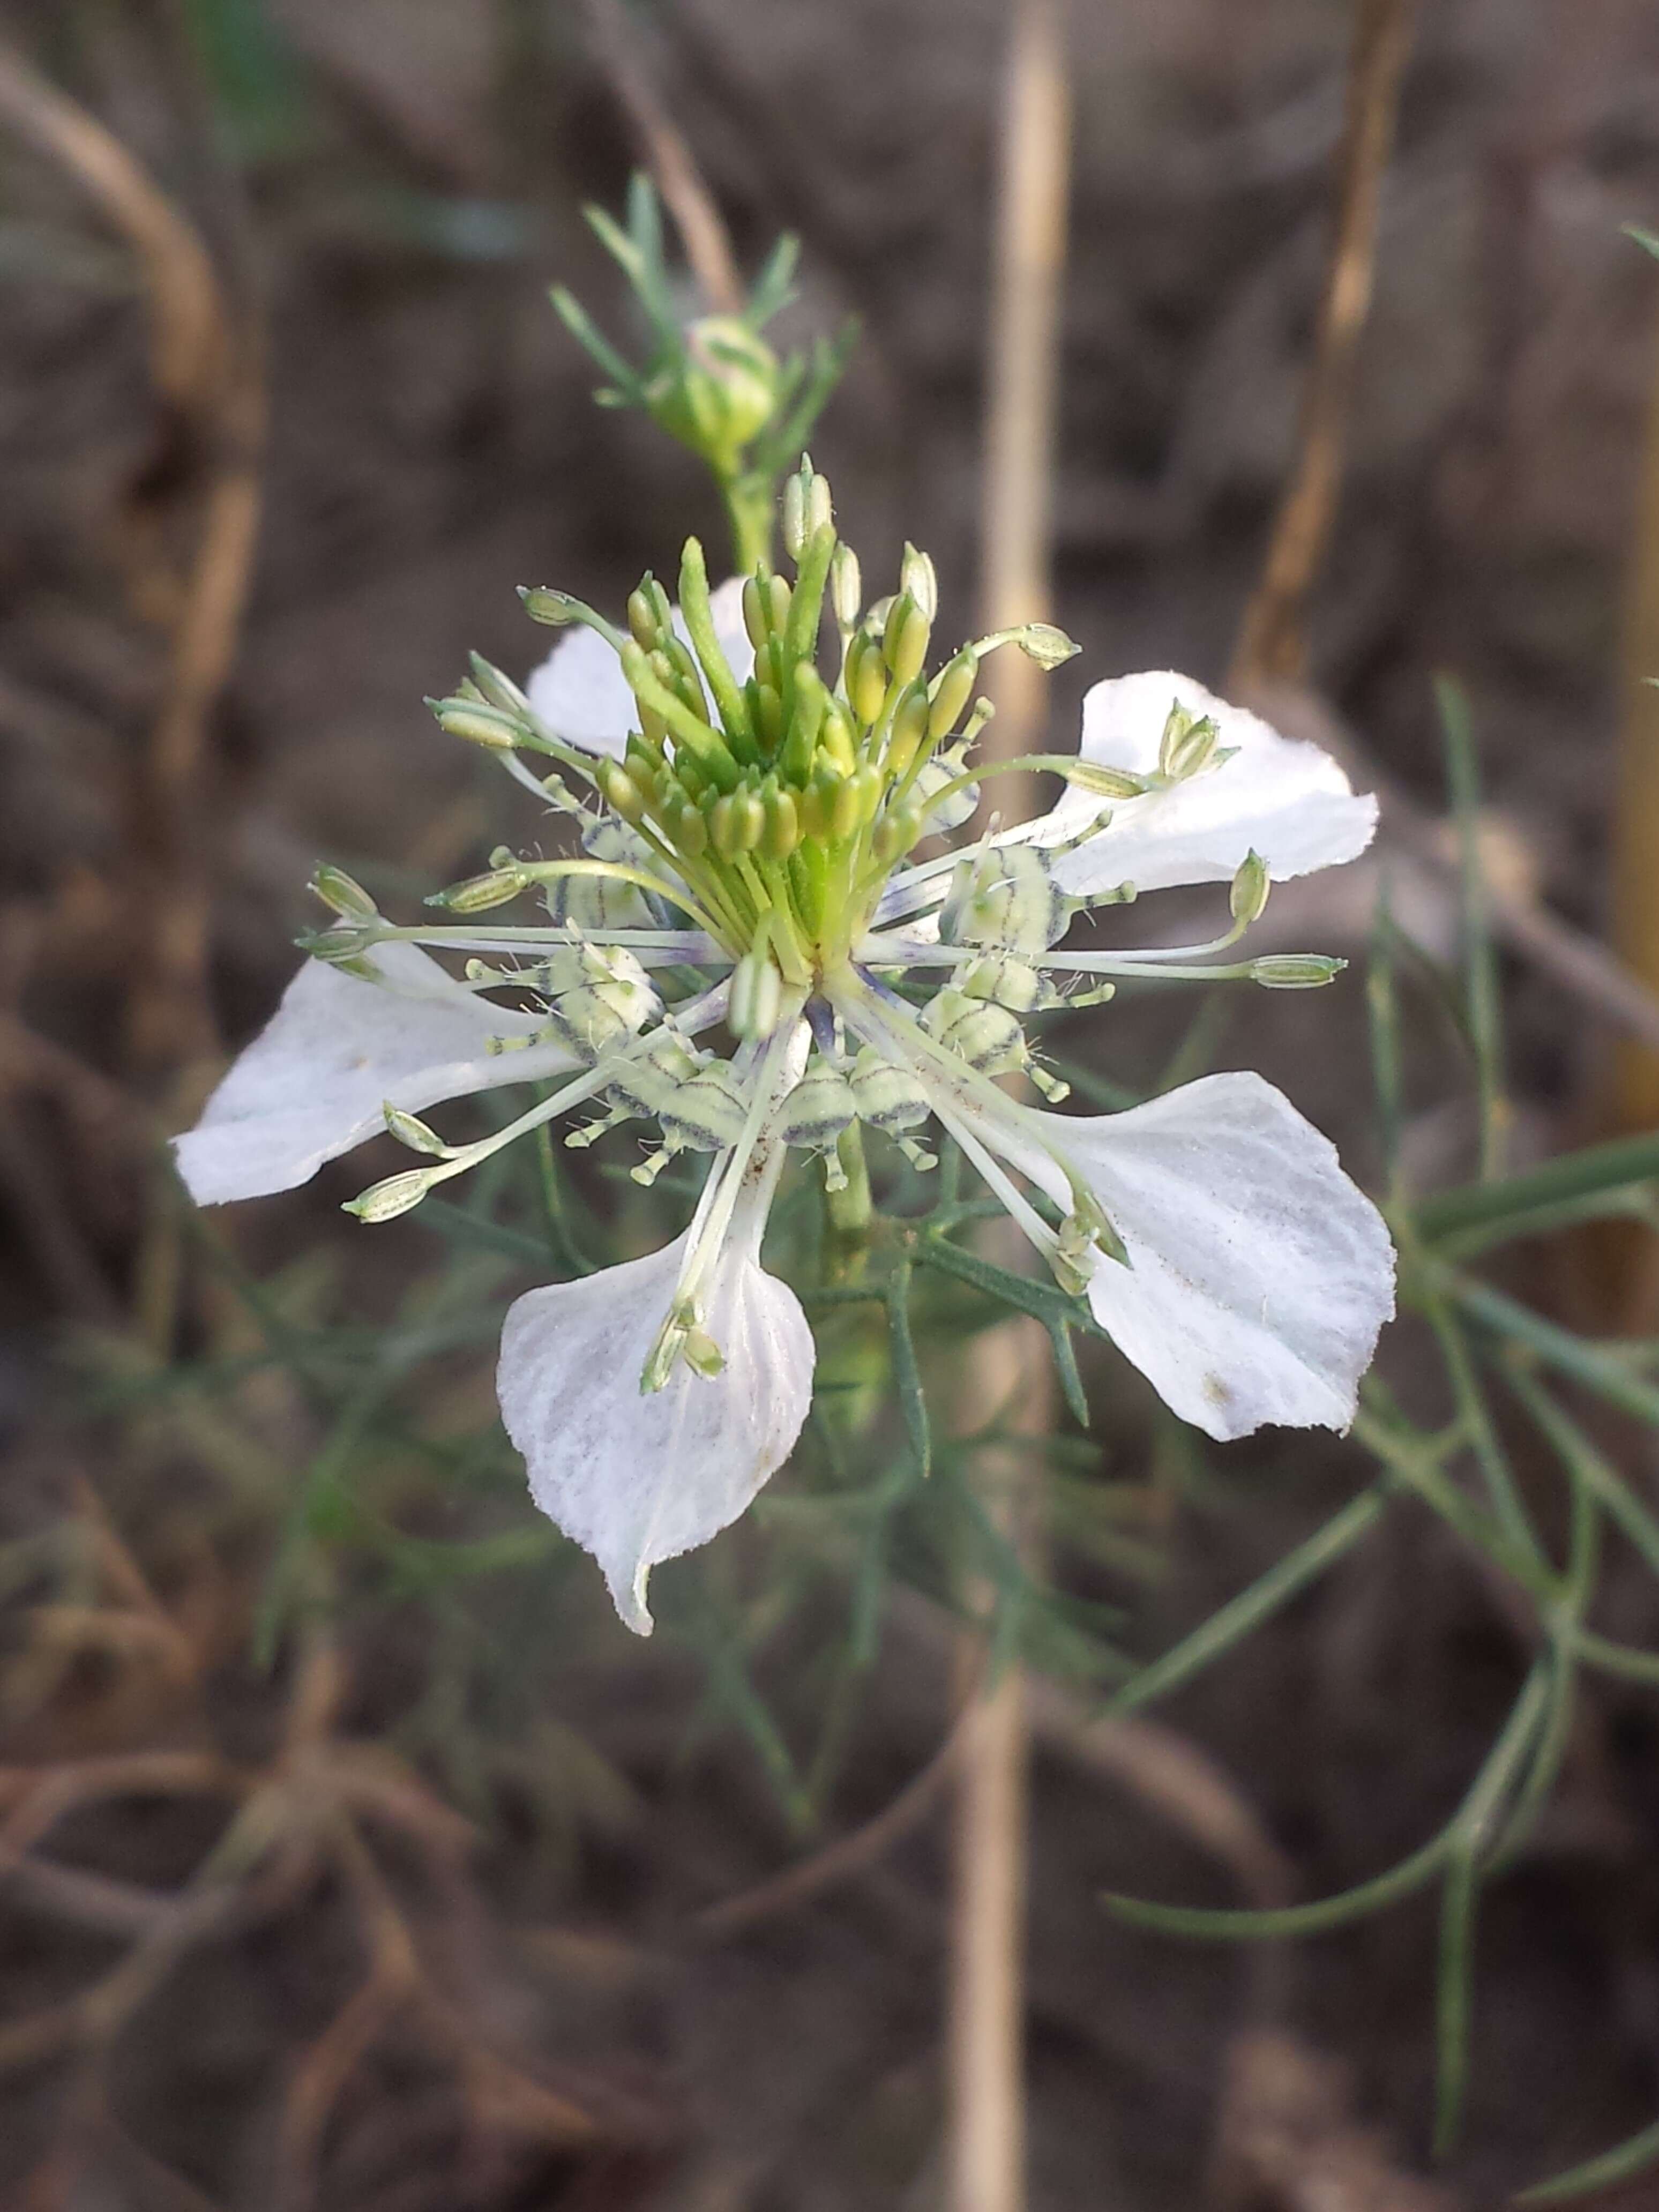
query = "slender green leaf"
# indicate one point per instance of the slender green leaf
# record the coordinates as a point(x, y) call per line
point(1242, 1614)
point(1592, 1170)
point(1479, 960)
point(1626, 2159)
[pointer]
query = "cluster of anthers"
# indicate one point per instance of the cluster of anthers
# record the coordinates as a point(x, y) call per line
point(746, 825)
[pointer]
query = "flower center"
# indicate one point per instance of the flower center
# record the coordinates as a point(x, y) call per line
point(783, 802)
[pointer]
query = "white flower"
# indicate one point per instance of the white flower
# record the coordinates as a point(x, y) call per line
point(750, 830)
point(637, 1476)
point(317, 1080)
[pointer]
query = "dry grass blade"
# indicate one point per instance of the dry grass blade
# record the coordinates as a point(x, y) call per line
point(1012, 1371)
point(668, 157)
point(841, 1861)
point(1273, 640)
point(188, 336)
point(211, 382)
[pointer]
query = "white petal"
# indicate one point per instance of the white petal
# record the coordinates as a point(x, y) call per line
point(582, 695)
point(1284, 799)
point(1261, 1274)
point(634, 1478)
point(311, 1084)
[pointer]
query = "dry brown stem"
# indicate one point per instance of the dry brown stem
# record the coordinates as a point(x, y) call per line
point(306, 1815)
point(1011, 1372)
point(842, 1860)
point(208, 379)
point(1274, 639)
point(668, 157)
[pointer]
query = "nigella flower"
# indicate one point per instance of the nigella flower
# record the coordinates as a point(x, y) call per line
point(745, 829)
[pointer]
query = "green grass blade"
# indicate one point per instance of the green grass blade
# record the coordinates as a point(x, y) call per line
point(1626, 2159)
point(1482, 1002)
point(1242, 1614)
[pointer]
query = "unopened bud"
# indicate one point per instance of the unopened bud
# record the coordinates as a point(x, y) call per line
point(496, 687)
point(384, 1201)
point(909, 730)
point(951, 694)
point(642, 619)
point(895, 834)
point(794, 517)
point(767, 713)
point(1104, 782)
point(756, 997)
point(702, 1354)
point(410, 1130)
point(866, 677)
point(838, 738)
point(1049, 647)
point(479, 893)
point(904, 640)
point(754, 612)
point(783, 831)
point(479, 725)
point(342, 892)
point(338, 947)
point(846, 585)
point(918, 577)
point(556, 610)
point(620, 792)
point(1187, 744)
point(1250, 890)
point(1294, 971)
point(690, 830)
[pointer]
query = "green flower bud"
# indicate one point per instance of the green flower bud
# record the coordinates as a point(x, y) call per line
point(838, 738)
point(783, 831)
point(1049, 647)
point(768, 717)
point(749, 819)
point(895, 834)
point(619, 790)
point(846, 807)
point(866, 677)
point(341, 891)
point(904, 640)
point(754, 612)
point(1294, 971)
point(909, 730)
point(952, 692)
point(846, 585)
point(1187, 745)
point(410, 1130)
point(721, 390)
point(384, 1201)
point(1104, 782)
point(642, 619)
point(756, 997)
point(690, 830)
point(478, 724)
point(479, 893)
point(1250, 886)
point(554, 610)
point(723, 826)
point(496, 689)
point(917, 576)
point(340, 948)
point(811, 704)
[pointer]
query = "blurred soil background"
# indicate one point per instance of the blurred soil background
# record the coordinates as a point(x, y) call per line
point(389, 186)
